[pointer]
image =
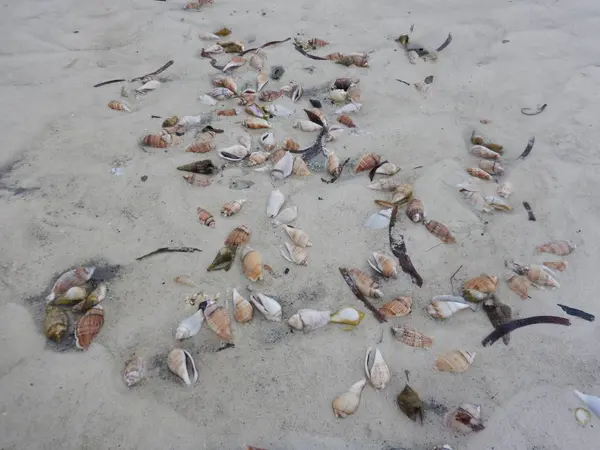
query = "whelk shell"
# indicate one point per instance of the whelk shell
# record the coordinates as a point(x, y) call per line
point(181, 363)
point(367, 162)
point(415, 210)
point(252, 264)
point(118, 105)
point(560, 248)
point(465, 418)
point(225, 81)
point(134, 371)
point(256, 123)
point(307, 125)
point(444, 309)
point(376, 369)
point(156, 140)
point(440, 231)
point(298, 236)
point(276, 200)
point(239, 236)
point(218, 320)
point(231, 208)
point(69, 279)
point(348, 402)
point(242, 308)
point(267, 140)
point(290, 144)
point(384, 265)
point(485, 283)
point(479, 173)
point(190, 326)
point(399, 307)
point(295, 254)
point(56, 323)
point(204, 166)
point(299, 167)
point(365, 284)
point(309, 319)
point(89, 326)
point(349, 316)
point(411, 337)
point(205, 217)
point(483, 152)
point(454, 361)
point(333, 164)
point(268, 306)
point(386, 184)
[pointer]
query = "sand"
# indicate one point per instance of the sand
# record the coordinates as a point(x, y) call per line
point(62, 207)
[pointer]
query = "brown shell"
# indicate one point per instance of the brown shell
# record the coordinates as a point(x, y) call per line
point(252, 266)
point(118, 105)
point(484, 283)
point(195, 180)
point(56, 323)
point(319, 113)
point(300, 168)
point(231, 208)
point(415, 210)
point(239, 236)
point(334, 56)
point(89, 326)
point(154, 140)
point(317, 43)
point(365, 284)
point(519, 285)
point(228, 112)
point(556, 265)
point(243, 310)
point(200, 147)
point(357, 60)
point(290, 144)
point(220, 323)
point(205, 217)
point(399, 307)
point(276, 156)
point(440, 231)
point(491, 167)
point(560, 248)
point(256, 123)
point(367, 162)
point(454, 361)
point(412, 337)
point(479, 173)
point(346, 120)
point(269, 96)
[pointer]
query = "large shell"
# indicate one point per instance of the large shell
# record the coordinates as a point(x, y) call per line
point(367, 162)
point(376, 369)
point(239, 236)
point(443, 309)
point(134, 371)
point(479, 173)
point(412, 337)
point(295, 254)
point(299, 167)
point(56, 323)
point(484, 283)
point(74, 277)
point(483, 152)
point(347, 403)
point(234, 153)
point(256, 123)
point(231, 208)
point(218, 320)
point(268, 306)
point(309, 319)
point(465, 418)
point(118, 105)
point(96, 296)
point(560, 248)
point(454, 361)
point(440, 231)
point(365, 284)
point(399, 307)
point(242, 308)
point(561, 266)
point(205, 217)
point(252, 264)
point(307, 125)
point(267, 140)
point(491, 167)
point(283, 168)
point(384, 264)
point(275, 202)
point(519, 285)
point(89, 326)
point(298, 236)
point(348, 316)
point(415, 210)
point(181, 363)
point(190, 326)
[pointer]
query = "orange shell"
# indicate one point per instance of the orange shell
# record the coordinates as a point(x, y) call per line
point(346, 120)
point(205, 217)
point(154, 140)
point(415, 210)
point(200, 147)
point(219, 321)
point(454, 361)
point(334, 56)
point(365, 284)
point(300, 168)
point(484, 283)
point(317, 43)
point(89, 326)
point(479, 173)
point(367, 162)
point(290, 144)
point(243, 310)
point(239, 236)
point(440, 231)
point(411, 337)
point(227, 112)
point(276, 156)
point(118, 106)
point(556, 265)
point(560, 248)
point(519, 285)
point(399, 307)
point(252, 266)
point(195, 180)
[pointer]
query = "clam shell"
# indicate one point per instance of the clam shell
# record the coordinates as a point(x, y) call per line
point(231, 208)
point(309, 319)
point(239, 236)
point(399, 307)
point(465, 418)
point(376, 369)
point(440, 231)
point(218, 320)
point(267, 140)
point(134, 371)
point(205, 217)
point(56, 323)
point(560, 248)
point(295, 254)
point(582, 416)
point(190, 326)
point(411, 337)
point(347, 403)
point(268, 306)
point(384, 265)
point(456, 361)
point(252, 264)
point(181, 363)
point(89, 326)
point(283, 168)
point(298, 236)
point(118, 105)
point(242, 308)
point(367, 162)
point(72, 278)
point(275, 202)
point(415, 210)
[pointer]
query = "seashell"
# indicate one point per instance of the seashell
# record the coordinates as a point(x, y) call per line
point(334, 56)
point(214, 49)
point(379, 220)
point(423, 86)
point(504, 190)
point(399, 307)
point(365, 284)
point(218, 320)
point(297, 93)
point(541, 276)
point(190, 326)
point(357, 59)
point(561, 266)
point(204, 166)
point(283, 168)
point(591, 401)
point(89, 326)
point(181, 363)
point(261, 81)
point(72, 278)
point(242, 308)
point(353, 93)
point(582, 416)
point(206, 136)
point(246, 140)
point(279, 111)
point(410, 403)
point(483, 152)
point(479, 173)
point(560, 248)
point(247, 98)
point(207, 100)
point(221, 93)
point(239, 236)
point(309, 319)
point(232, 46)
point(298, 236)
point(205, 217)
point(200, 146)
point(367, 162)
point(491, 167)
point(295, 254)
point(349, 316)
point(519, 285)
point(299, 167)
point(411, 337)
point(234, 153)
point(444, 309)
point(338, 95)
point(56, 323)
point(415, 210)
point(257, 158)
point(497, 203)
point(290, 144)
point(412, 56)
point(267, 140)
point(170, 122)
point(224, 259)
point(277, 155)
point(349, 108)
point(347, 403)
point(269, 307)
point(118, 105)
point(344, 83)
point(234, 63)
point(252, 264)
point(208, 36)
point(479, 140)
point(95, 297)
point(316, 43)
point(376, 369)
point(134, 371)
point(476, 201)
point(228, 112)
point(384, 265)
point(149, 86)
point(257, 60)
point(269, 96)
point(485, 284)
point(307, 125)
point(456, 361)
point(465, 418)
point(195, 180)
point(231, 208)
point(386, 184)
point(333, 164)
point(388, 169)
point(255, 123)
point(440, 231)
point(346, 120)
point(254, 110)
point(72, 296)
point(276, 200)
point(287, 215)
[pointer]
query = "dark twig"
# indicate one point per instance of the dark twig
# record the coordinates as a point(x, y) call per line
point(534, 111)
point(527, 207)
point(301, 50)
point(528, 149)
point(161, 70)
point(374, 169)
point(452, 278)
point(350, 281)
point(398, 246)
point(170, 250)
point(155, 117)
point(519, 323)
point(104, 83)
point(446, 43)
point(402, 81)
point(337, 174)
point(577, 313)
point(268, 44)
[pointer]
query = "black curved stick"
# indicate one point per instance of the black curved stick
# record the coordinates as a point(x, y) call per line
point(519, 323)
point(268, 44)
point(577, 313)
point(446, 43)
point(528, 149)
point(534, 111)
point(169, 250)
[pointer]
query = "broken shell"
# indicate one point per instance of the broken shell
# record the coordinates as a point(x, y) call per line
point(307, 125)
point(190, 326)
point(443, 309)
point(384, 265)
point(205, 217)
point(89, 326)
point(199, 146)
point(231, 208)
point(376, 369)
point(69, 279)
point(234, 153)
point(504, 190)
point(379, 220)
point(267, 140)
point(465, 418)
point(347, 403)
point(333, 164)
point(298, 236)
point(591, 401)
point(346, 120)
point(223, 260)
point(228, 112)
point(491, 167)
point(479, 173)
point(118, 105)
point(72, 296)
point(519, 285)
point(204, 166)
point(95, 297)
point(218, 320)
point(454, 361)
point(440, 231)
point(290, 144)
point(411, 337)
point(239, 236)
point(269, 96)
point(485, 284)
point(299, 167)
point(402, 194)
point(214, 49)
point(269, 307)
point(261, 81)
point(367, 162)
point(295, 254)
point(134, 371)
point(476, 201)
point(556, 265)
point(56, 323)
point(297, 93)
point(181, 363)
point(498, 203)
point(309, 319)
point(388, 169)
point(255, 123)
point(236, 61)
point(338, 95)
point(252, 264)
point(257, 158)
point(283, 168)
point(365, 284)
point(276, 200)
point(286, 215)
point(415, 210)
point(353, 93)
point(483, 152)
point(349, 316)
point(386, 184)
point(409, 402)
point(560, 248)
point(257, 60)
point(399, 307)
point(195, 180)
point(242, 308)
point(582, 416)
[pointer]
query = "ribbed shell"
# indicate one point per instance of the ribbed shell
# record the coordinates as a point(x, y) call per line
point(89, 326)
point(367, 162)
point(454, 361)
point(118, 106)
point(412, 337)
point(290, 144)
point(479, 173)
point(239, 236)
point(243, 310)
point(440, 231)
point(365, 284)
point(205, 217)
point(415, 210)
point(399, 307)
point(560, 248)
point(485, 283)
point(231, 208)
point(218, 320)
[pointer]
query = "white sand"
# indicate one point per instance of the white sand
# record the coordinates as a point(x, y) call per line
point(275, 389)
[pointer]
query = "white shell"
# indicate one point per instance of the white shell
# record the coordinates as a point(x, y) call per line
point(280, 111)
point(257, 158)
point(591, 401)
point(582, 416)
point(181, 363)
point(190, 326)
point(267, 140)
point(214, 49)
point(283, 168)
point(388, 169)
point(295, 254)
point(476, 201)
point(338, 95)
point(474, 411)
point(269, 307)
point(347, 403)
point(307, 125)
point(387, 184)
point(276, 200)
point(309, 319)
point(208, 36)
point(504, 190)
point(287, 215)
point(207, 100)
point(350, 107)
point(379, 220)
point(298, 236)
point(149, 86)
point(376, 369)
point(135, 371)
point(245, 140)
point(346, 315)
point(443, 310)
point(412, 56)
point(190, 121)
point(237, 152)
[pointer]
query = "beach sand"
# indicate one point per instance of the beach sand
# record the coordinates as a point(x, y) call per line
point(62, 207)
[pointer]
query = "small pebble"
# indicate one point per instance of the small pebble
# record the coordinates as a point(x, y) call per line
point(315, 103)
point(144, 178)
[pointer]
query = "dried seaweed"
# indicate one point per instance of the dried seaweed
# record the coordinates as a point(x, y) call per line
point(528, 149)
point(446, 43)
point(169, 250)
point(534, 111)
point(268, 44)
point(577, 313)
point(309, 153)
point(530, 214)
point(499, 314)
point(308, 55)
point(350, 281)
point(519, 323)
point(399, 250)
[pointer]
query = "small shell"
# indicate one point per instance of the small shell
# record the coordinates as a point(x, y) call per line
point(497, 203)
point(232, 46)
point(252, 264)
point(299, 167)
point(200, 146)
point(334, 56)
point(349, 316)
point(72, 296)
point(409, 402)
point(485, 283)
point(376, 369)
point(388, 169)
point(386, 184)
point(256, 123)
point(347, 403)
point(276, 155)
point(246, 140)
point(214, 49)
point(353, 93)
point(275, 202)
point(476, 201)
point(454, 361)
point(290, 144)
point(257, 158)
point(181, 363)
point(196, 180)
point(440, 231)
point(190, 326)
point(205, 36)
point(283, 168)
point(224, 259)
point(309, 319)
point(491, 167)
point(504, 190)
point(267, 140)
point(561, 266)
point(231, 208)
point(338, 95)
point(268, 306)
point(365, 284)
point(519, 285)
point(349, 108)
point(270, 96)
point(297, 93)
point(399, 307)
point(465, 418)
point(411, 337)
point(118, 105)
point(234, 153)
point(560, 248)
point(154, 140)
point(346, 120)
point(384, 265)
point(367, 162)
point(221, 93)
point(218, 320)
point(298, 236)
point(415, 210)
point(205, 217)
point(56, 323)
point(582, 416)
point(261, 81)
point(307, 125)
point(316, 43)
point(443, 310)
point(295, 254)
point(236, 61)
point(333, 164)
point(402, 194)
point(223, 32)
point(479, 140)
point(357, 59)
point(228, 112)
point(134, 371)
point(95, 297)
point(479, 173)
point(242, 308)
point(149, 86)
point(89, 326)
point(239, 236)
point(483, 152)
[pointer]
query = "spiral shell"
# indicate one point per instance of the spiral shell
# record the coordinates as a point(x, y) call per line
point(333, 164)
point(491, 167)
point(239, 236)
point(118, 105)
point(415, 210)
point(541, 276)
point(309, 319)
point(367, 162)
point(298, 236)
point(190, 326)
point(479, 173)
point(199, 146)
point(347, 403)
point(456, 361)
point(134, 371)
point(560, 248)
point(443, 309)
point(231, 208)
point(218, 320)
point(376, 369)
point(242, 308)
point(485, 283)
point(399, 307)
point(256, 123)
point(346, 120)
point(411, 337)
point(205, 217)
point(89, 326)
point(181, 363)
point(257, 158)
point(299, 167)
point(483, 152)
point(365, 284)
point(154, 140)
point(384, 265)
point(252, 264)
point(440, 231)
point(290, 144)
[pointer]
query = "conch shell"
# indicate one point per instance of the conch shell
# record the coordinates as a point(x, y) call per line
point(134, 371)
point(376, 369)
point(349, 316)
point(269, 307)
point(118, 106)
point(411, 337)
point(465, 418)
point(224, 259)
point(56, 323)
point(560, 248)
point(444, 309)
point(415, 210)
point(295, 254)
point(276, 200)
point(348, 402)
point(190, 326)
point(74, 277)
point(252, 264)
point(384, 265)
point(309, 319)
point(239, 236)
point(440, 231)
point(298, 236)
point(242, 308)
point(399, 307)
point(299, 167)
point(367, 162)
point(89, 326)
point(231, 208)
point(365, 284)
point(479, 173)
point(454, 361)
point(218, 320)
point(181, 363)
point(205, 217)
